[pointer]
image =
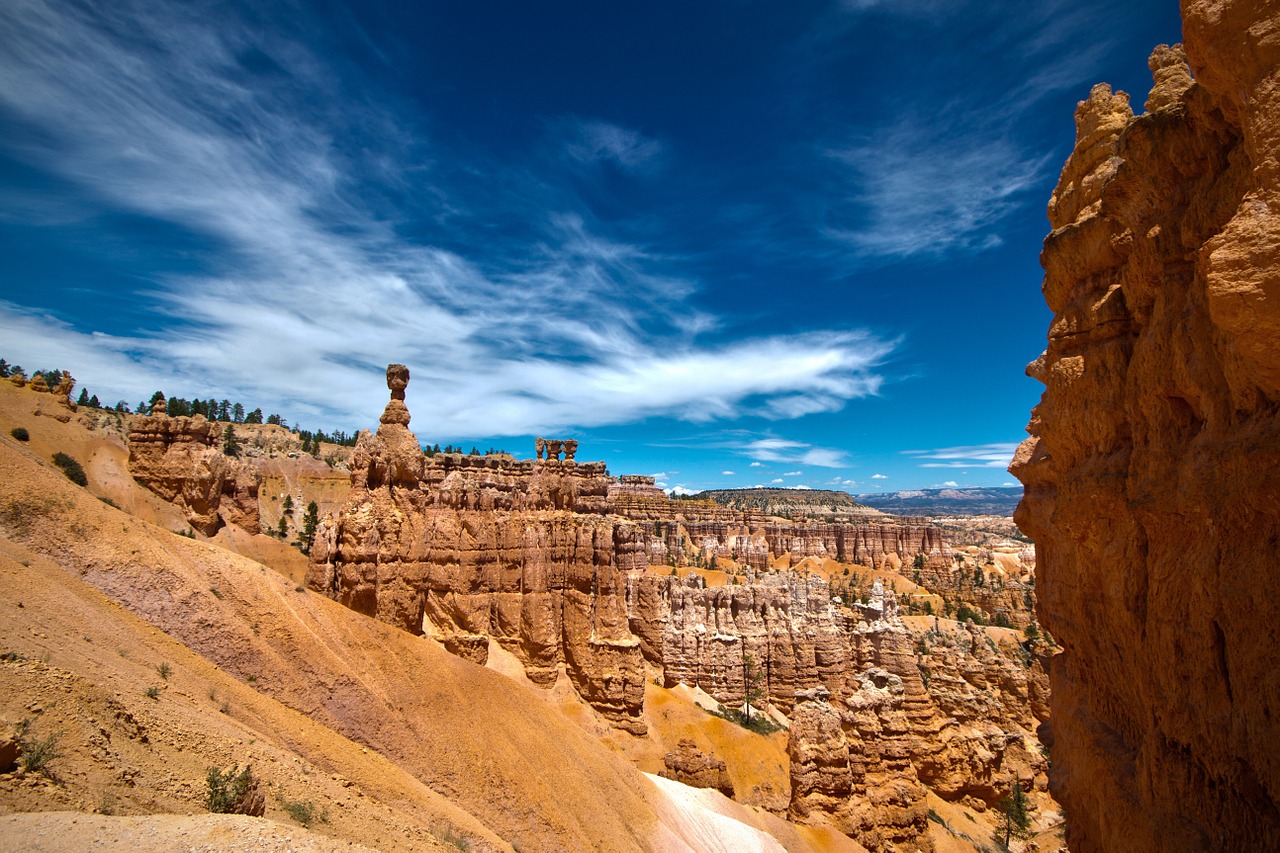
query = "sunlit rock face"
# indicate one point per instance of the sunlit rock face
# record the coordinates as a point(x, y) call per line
point(1153, 469)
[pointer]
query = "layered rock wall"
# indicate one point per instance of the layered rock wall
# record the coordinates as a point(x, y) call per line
point(1153, 469)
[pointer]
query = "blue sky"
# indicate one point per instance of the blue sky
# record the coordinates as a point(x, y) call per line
point(726, 243)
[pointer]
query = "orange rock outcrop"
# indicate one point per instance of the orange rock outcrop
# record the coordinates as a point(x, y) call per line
point(181, 460)
point(690, 765)
point(1153, 469)
point(473, 548)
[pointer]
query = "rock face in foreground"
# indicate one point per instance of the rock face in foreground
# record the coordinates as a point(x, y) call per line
point(1153, 469)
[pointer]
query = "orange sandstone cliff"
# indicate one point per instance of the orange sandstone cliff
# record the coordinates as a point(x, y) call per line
point(1153, 469)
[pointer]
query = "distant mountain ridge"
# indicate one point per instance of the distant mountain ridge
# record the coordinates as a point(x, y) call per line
point(783, 501)
point(996, 500)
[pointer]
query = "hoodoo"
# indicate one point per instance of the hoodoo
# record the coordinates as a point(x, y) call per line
point(1153, 469)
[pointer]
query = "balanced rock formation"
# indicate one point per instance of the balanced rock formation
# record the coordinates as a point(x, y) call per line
point(1153, 469)
point(181, 461)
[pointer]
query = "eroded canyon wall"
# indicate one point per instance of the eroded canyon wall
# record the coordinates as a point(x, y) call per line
point(1153, 469)
point(537, 556)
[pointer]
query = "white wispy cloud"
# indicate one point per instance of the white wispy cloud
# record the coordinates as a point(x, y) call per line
point(595, 141)
point(148, 108)
point(879, 477)
point(923, 187)
point(756, 465)
point(941, 176)
point(787, 450)
point(793, 474)
point(776, 480)
point(995, 455)
point(726, 473)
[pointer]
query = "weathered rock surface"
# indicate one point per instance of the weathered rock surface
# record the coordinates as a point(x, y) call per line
point(1153, 469)
point(539, 557)
point(690, 765)
point(850, 768)
point(180, 459)
point(10, 752)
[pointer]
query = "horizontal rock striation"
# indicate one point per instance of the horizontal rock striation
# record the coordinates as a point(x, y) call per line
point(1153, 469)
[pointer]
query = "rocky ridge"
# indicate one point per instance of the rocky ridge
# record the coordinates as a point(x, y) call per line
point(1152, 480)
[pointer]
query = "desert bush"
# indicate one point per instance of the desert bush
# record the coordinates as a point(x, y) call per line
point(451, 836)
point(20, 433)
point(72, 468)
point(152, 692)
point(304, 811)
point(230, 792)
point(37, 752)
point(164, 670)
point(758, 722)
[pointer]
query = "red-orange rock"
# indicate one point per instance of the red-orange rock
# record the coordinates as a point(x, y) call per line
point(690, 765)
point(180, 460)
point(1153, 469)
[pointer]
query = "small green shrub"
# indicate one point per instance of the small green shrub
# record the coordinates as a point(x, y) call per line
point(759, 723)
point(230, 792)
point(164, 670)
point(20, 433)
point(304, 811)
point(449, 835)
point(37, 752)
point(152, 692)
point(72, 468)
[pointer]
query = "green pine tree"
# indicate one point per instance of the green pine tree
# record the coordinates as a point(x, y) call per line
point(230, 444)
point(1012, 818)
point(310, 521)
